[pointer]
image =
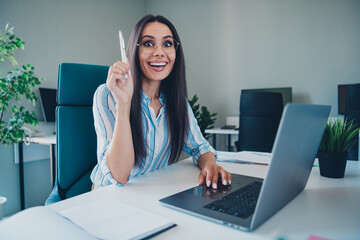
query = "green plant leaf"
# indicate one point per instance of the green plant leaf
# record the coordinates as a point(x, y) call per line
point(339, 136)
point(203, 117)
point(13, 87)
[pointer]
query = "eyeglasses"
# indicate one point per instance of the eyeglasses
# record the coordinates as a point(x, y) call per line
point(148, 46)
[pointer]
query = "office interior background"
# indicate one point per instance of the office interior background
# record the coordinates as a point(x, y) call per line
point(229, 45)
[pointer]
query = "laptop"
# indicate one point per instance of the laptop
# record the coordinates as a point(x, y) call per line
point(48, 103)
point(248, 201)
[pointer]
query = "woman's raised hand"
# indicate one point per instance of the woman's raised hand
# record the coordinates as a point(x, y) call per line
point(121, 88)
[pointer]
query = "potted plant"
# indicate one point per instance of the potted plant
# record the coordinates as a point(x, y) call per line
point(204, 118)
point(339, 136)
point(14, 85)
point(18, 83)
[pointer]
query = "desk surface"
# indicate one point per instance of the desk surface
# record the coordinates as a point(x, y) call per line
point(327, 207)
point(44, 140)
point(222, 131)
point(48, 135)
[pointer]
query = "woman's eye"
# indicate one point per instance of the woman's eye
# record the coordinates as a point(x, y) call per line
point(148, 44)
point(168, 44)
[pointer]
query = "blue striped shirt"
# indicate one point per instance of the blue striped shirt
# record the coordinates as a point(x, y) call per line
point(155, 131)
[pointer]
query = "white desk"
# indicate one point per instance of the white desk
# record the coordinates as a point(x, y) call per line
point(227, 132)
point(327, 207)
point(49, 139)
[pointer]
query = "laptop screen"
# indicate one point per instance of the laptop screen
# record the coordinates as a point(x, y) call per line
point(342, 92)
point(48, 103)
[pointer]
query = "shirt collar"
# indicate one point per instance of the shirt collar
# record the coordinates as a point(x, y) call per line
point(146, 99)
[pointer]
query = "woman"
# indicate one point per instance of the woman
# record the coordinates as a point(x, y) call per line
point(142, 118)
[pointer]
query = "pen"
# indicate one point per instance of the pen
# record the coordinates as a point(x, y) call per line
point(122, 52)
point(122, 47)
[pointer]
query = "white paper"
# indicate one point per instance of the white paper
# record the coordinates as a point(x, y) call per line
point(112, 219)
point(245, 157)
point(40, 223)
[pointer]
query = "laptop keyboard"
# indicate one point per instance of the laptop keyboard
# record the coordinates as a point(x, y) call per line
point(240, 203)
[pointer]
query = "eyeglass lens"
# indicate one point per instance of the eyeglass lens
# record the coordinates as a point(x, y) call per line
point(169, 45)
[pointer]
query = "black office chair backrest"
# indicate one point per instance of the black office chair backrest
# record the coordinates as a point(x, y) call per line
point(76, 137)
point(260, 114)
point(352, 113)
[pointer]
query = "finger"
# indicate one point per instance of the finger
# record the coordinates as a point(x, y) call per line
point(110, 80)
point(121, 64)
point(116, 76)
point(209, 176)
point(111, 73)
point(119, 70)
point(114, 80)
point(224, 176)
point(215, 179)
point(229, 178)
point(122, 74)
point(201, 178)
point(119, 67)
point(129, 72)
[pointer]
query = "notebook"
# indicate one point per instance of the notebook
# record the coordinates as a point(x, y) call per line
point(250, 201)
point(107, 219)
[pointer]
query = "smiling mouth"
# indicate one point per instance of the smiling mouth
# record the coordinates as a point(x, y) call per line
point(158, 66)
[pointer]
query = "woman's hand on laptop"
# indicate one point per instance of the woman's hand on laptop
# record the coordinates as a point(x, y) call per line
point(210, 172)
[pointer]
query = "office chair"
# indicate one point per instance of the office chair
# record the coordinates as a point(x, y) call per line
point(352, 112)
point(260, 114)
point(76, 137)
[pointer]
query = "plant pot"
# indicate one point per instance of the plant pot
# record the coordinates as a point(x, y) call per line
point(332, 165)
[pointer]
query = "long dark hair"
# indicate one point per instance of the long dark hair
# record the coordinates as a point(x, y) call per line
point(173, 87)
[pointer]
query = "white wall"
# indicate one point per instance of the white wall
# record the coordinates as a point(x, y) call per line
point(229, 45)
point(80, 31)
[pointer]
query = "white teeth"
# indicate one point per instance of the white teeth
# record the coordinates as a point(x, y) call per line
point(157, 64)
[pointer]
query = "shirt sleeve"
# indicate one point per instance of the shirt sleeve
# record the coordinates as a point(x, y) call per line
point(104, 121)
point(195, 143)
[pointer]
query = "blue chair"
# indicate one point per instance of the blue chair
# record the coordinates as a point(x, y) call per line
point(76, 137)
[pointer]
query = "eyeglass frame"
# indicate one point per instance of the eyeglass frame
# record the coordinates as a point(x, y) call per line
point(176, 44)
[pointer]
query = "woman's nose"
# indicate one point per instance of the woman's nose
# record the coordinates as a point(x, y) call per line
point(159, 51)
